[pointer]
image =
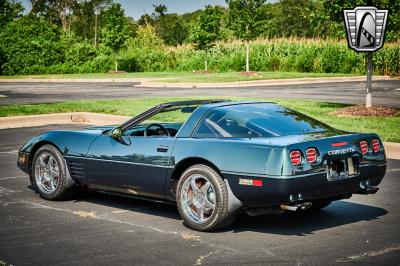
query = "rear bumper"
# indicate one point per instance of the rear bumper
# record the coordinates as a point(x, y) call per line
point(285, 190)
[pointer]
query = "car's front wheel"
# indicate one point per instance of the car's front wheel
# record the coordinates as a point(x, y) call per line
point(49, 174)
point(202, 199)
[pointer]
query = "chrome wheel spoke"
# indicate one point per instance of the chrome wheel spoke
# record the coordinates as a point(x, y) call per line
point(50, 162)
point(41, 162)
point(209, 205)
point(53, 173)
point(51, 184)
point(200, 214)
point(193, 184)
point(205, 187)
point(189, 201)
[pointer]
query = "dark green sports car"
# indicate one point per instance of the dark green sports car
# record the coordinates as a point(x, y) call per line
point(221, 159)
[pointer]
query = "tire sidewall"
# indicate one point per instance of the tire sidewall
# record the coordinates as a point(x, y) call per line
point(220, 196)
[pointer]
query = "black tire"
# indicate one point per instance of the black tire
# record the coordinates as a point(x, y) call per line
point(220, 217)
point(66, 185)
point(318, 205)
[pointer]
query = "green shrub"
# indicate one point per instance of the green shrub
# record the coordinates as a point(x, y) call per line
point(30, 45)
point(80, 53)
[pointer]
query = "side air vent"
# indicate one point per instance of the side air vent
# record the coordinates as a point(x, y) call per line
point(76, 169)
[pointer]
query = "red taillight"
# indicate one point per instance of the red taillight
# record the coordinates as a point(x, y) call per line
point(376, 146)
point(311, 154)
point(364, 147)
point(257, 183)
point(250, 182)
point(295, 157)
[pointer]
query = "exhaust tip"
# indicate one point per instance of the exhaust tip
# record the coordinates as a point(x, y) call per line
point(369, 190)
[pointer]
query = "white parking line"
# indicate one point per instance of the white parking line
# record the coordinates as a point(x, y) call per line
point(393, 170)
point(11, 177)
point(9, 152)
point(6, 191)
point(370, 254)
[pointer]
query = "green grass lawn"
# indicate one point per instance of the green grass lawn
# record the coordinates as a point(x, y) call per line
point(182, 77)
point(387, 127)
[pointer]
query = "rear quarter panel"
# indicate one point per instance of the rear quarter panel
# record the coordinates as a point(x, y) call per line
point(232, 155)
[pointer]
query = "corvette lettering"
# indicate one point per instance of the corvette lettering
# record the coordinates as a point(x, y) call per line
point(341, 151)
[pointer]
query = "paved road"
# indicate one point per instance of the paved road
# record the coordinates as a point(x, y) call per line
point(96, 229)
point(384, 92)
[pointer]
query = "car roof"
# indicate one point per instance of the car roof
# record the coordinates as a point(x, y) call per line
point(192, 102)
point(191, 123)
point(222, 104)
point(210, 103)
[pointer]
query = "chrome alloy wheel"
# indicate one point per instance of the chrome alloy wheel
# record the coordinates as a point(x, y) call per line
point(46, 173)
point(198, 198)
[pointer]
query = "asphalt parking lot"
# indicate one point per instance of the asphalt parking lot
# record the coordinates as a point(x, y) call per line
point(96, 229)
point(384, 92)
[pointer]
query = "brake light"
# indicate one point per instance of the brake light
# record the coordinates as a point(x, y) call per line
point(364, 147)
point(311, 154)
point(339, 144)
point(251, 182)
point(376, 146)
point(295, 157)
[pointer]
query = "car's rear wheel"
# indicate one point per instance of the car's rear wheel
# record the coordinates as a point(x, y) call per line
point(49, 174)
point(202, 199)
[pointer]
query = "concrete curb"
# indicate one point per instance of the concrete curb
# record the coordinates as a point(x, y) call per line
point(152, 83)
point(75, 80)
point(392, 149)
point(61, 118)
point(256, 83)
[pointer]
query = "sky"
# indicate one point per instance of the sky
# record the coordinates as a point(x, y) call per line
point(136, 8)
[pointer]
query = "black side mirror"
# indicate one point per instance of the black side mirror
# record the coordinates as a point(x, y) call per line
point(116, 133)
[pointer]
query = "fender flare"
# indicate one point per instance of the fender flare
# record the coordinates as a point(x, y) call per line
point(234, 204)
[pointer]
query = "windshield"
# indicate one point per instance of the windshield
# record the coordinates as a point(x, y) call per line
point(256, 120)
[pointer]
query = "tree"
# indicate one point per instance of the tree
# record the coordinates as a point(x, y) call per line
point(171, 28)
point(302, 18)
point(334, 9)
point(9, 10)
point(246, 21)
point(57, 11)
point(146, 20)
point(133, 27)
point(87, 18)
point(161, 10)
point(207, 30)
point(115, 30)
point(29, 45)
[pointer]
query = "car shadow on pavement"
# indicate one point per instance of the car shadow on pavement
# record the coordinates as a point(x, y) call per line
point(130, 204)
point(339, 213)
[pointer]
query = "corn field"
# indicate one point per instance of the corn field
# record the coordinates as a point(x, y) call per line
point(284, 54)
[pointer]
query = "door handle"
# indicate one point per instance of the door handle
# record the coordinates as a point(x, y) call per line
point(162, 149)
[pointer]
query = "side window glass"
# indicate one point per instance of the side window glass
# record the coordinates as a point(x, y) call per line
point(210, 127)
